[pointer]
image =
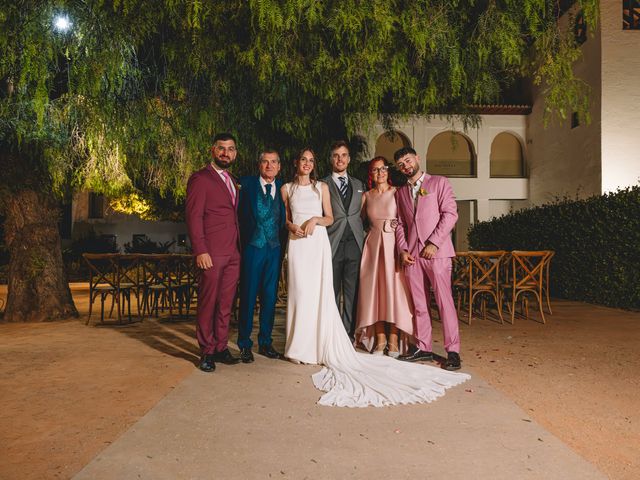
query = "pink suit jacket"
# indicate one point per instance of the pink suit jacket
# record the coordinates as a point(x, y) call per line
point(211, 217)
point(432, 220)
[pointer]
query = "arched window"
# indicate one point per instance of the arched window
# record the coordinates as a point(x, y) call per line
point(506, 158)
point(451, 154)
point(389, 142)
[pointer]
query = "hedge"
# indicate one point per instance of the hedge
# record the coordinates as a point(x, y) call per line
point(596, 240)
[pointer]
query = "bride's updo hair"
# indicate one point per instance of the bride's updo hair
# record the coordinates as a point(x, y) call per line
point(313, 176)
point(380, 158)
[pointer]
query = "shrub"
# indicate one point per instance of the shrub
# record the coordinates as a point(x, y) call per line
point(143, 244)
point(596, 240)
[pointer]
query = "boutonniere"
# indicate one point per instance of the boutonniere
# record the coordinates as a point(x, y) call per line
point(422, 192)
point(238, 186)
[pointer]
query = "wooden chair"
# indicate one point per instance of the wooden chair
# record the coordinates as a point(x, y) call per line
point(183, 283)
point(157, 284)
point(106, 279)
point(131, 275)
point(526, 275)
point(546, 282)
point(484, 279)
point(461, 278)
point(281, 298)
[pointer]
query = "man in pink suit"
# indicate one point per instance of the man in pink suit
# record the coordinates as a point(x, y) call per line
point(427, 213)
point(212, 199)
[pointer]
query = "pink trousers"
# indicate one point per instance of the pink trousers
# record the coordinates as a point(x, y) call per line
point(422, 277)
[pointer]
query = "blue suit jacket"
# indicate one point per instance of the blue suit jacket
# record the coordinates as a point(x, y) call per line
point(248, 205)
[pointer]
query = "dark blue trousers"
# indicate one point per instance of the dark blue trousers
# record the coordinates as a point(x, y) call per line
point(259, 276)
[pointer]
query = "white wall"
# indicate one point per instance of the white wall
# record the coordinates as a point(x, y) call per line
point(565, 161)
point(620, 100)
point(497, 208)
point(122, 225)
point(481, 189)
point(125, 226)
point(466, 218)
point(603, 156)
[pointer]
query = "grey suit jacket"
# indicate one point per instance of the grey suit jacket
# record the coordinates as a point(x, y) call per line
point(342, 216)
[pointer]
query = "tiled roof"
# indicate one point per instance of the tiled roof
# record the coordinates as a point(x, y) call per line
point(501, 109)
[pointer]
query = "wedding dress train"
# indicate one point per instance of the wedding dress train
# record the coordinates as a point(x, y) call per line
point(315, 334)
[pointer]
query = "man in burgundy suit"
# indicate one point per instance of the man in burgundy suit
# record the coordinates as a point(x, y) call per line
point(212, 198)
point(427, 213)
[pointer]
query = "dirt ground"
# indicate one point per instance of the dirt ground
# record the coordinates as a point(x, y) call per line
point(68, 390)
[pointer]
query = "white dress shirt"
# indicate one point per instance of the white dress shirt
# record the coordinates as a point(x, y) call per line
point(336, 178)
point(416, 186)
point(263, 184)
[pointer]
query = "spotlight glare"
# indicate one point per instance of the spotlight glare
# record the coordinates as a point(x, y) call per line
point(62, 23)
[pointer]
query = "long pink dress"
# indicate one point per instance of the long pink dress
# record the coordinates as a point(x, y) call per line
point(383, 292)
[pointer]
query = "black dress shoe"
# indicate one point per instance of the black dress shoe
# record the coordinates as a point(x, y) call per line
point(269, 351)
point(453, 361)
point(207, 364)
point(226, 357)
point(417, 356)
point(246, 355)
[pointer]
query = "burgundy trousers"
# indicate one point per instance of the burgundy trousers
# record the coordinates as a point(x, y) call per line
point(216, 292)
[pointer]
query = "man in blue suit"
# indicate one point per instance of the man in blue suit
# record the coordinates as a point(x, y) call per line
point(262, 220)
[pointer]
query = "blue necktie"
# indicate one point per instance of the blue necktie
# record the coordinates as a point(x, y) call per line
point(268, 187)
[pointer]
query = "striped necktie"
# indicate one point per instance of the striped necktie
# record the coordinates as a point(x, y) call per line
point(343, 187)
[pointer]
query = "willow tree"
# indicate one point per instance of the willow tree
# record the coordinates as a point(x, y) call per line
point(126, 98)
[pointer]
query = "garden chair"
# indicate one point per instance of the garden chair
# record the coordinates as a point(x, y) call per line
point(461, 277)
point(106, 280)
point(130, 274)
point(546, 282)
point(281, 301)
point(157, 294)
point(526, 276)
point(484, 280)
point(184, 282)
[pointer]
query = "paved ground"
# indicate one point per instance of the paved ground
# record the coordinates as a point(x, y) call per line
point(69, 391)
point(260, 421)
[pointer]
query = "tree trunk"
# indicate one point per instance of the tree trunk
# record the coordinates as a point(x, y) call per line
point(38, 287)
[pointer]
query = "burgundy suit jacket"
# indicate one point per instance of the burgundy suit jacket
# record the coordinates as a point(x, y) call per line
point(432, 219)
point(212, 218)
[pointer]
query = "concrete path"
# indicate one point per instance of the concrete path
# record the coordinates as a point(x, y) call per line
point(260, 421)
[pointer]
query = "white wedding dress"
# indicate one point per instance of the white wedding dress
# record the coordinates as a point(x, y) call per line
point(315, 334)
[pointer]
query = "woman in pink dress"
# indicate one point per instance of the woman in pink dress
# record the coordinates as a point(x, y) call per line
point(384, 318)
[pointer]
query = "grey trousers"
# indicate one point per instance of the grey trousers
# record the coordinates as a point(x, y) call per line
point(346, 273)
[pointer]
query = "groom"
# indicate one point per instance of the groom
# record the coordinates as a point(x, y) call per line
point(262, 219)
point(347, 232)
point(427, 213)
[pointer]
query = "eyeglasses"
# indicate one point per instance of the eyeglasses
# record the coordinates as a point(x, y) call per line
point(383, 169)
point(220, 148)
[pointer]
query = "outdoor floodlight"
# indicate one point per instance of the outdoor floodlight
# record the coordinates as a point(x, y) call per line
point(62, 23)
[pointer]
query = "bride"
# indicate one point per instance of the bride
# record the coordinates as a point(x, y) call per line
point(314, 330)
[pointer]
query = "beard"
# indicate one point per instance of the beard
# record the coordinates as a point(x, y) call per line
point(412, 172)
point(223, 162)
